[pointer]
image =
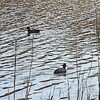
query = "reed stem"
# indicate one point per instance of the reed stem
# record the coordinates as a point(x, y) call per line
point(30, 70)
point(15, 70)
point(98, 42)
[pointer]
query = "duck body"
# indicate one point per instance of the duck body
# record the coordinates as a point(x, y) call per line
point(61, 70)
point(32, 31)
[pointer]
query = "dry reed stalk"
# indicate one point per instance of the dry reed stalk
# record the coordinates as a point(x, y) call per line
point(68, 87)
point(68, 91)
point(15, 68)
point(50, 95)
point(59, 94)
point(78, 88)
point(30, 69)
point(8, 95)
point(82, 89)
point(97, 21)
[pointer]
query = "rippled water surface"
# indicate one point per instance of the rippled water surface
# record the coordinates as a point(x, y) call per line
point(68, 36)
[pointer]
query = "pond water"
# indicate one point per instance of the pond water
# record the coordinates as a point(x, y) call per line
point(66, 37)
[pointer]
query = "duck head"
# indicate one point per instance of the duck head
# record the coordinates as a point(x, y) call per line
point(64, 65)
point(28, 28)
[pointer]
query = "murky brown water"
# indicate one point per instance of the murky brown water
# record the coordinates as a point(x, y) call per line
point(68, 36)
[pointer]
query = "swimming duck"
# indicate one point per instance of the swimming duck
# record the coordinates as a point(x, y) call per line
point(61, 70)
point(32, 31)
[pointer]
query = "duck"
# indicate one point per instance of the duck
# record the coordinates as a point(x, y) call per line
point(61, 70)
point(32, 31)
